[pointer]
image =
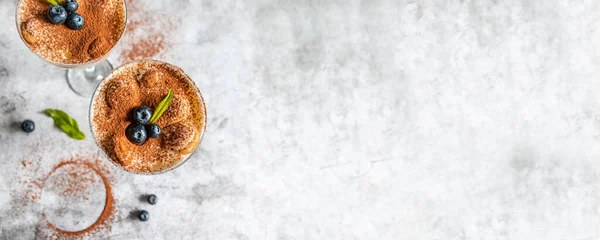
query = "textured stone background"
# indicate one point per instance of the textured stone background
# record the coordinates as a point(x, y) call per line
point(348, 119)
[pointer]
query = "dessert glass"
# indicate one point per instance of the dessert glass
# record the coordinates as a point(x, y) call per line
point(83, 78)
point(200, 104)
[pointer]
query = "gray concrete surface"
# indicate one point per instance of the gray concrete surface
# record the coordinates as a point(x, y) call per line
point(348, 119)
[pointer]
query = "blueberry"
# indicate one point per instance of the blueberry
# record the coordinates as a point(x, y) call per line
point(57, 14)
point(142, 114)
point(28, 126)
point(152, 199)
point(136, 133)
point(153, 130)
point(71, 6)
point(144, 216)
point(75, 21)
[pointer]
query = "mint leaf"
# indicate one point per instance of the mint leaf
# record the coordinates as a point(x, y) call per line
point(162, 107)
point(67, 124)
point(53, 2)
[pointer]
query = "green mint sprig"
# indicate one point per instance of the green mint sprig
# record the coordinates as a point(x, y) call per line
point(54, 2)
point(66, 123)
point(162, 107)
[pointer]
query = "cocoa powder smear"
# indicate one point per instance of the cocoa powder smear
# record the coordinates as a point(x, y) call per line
point(104, 25)
point(73, 182)
point(146, 36)
point(147, 82)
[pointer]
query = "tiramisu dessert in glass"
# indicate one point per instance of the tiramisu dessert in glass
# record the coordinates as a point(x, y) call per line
point(148, 116)
point(73, 34)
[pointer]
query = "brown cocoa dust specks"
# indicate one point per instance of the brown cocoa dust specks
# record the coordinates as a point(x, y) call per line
point(147, 34)
point(76, 181)
point(143, 48)
point(79, 173)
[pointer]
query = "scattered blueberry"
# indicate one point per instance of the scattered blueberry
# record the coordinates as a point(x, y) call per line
point(136, 133)
point(153, 130)
point(28, 126)
point(144, 216)
point(71, 6)
point(57, 14)
point(75, 21)
point(152, 199)
point(142, 114)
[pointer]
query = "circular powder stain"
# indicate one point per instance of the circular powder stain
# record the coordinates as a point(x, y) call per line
point(73, 197)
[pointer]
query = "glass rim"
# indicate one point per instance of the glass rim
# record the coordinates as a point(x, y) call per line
point(69, 65)
point(200, 98)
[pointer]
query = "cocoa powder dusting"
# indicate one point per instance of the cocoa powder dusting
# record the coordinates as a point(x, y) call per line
point(147, 82)
point(79, 170)
point(146, 36)
point(143, 48)
point(104, 25)
point(75, 183)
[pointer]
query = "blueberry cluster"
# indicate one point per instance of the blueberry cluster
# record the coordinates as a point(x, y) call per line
point(144, 215)
point(59, 15)
point(141, 128)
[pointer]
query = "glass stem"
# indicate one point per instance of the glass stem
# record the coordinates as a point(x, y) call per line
point(90, 73)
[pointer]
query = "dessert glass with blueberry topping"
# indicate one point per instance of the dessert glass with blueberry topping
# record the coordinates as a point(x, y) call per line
point(74, 34)
point(148, 117)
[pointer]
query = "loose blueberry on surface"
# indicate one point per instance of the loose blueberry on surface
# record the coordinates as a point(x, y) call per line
point(57, 14)
point(152, 199)
point(142, 114)
point(153, 130)
point(136, 133)
point(75, 21)
point(28, 126)
point(144, 216)
point(71, 6)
